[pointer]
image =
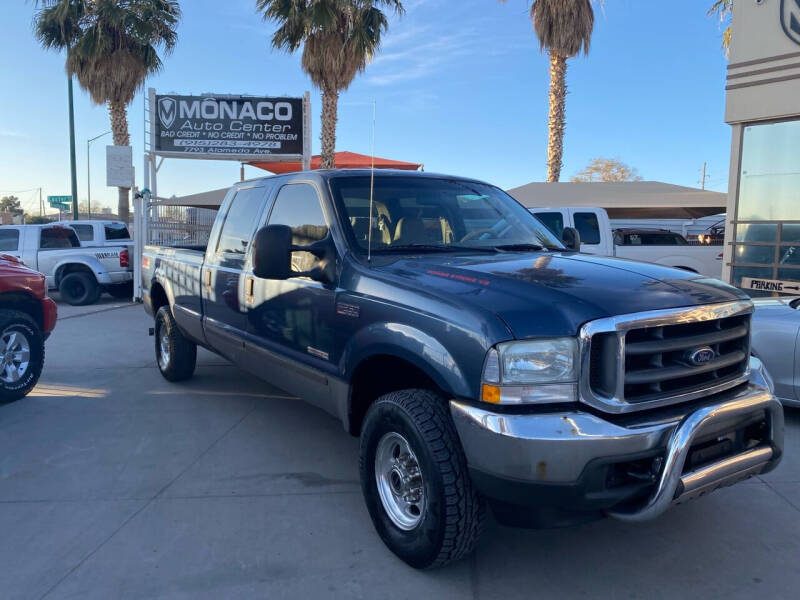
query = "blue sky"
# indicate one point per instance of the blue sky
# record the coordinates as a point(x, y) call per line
point(460, 86)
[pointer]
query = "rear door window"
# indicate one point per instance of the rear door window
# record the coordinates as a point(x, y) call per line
point(587, 225)
point(58, 238)
point(9, 240)
point(240, 222)
point(85, 232)
point(116, 231)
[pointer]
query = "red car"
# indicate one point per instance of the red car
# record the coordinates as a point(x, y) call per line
point(27, 316)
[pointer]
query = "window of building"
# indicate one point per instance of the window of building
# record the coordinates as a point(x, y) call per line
point(767, 236)
point(9, 240)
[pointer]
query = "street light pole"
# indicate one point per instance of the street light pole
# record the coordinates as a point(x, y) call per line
point(88, 171)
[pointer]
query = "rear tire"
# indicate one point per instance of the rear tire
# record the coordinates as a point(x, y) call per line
point(121, 290)
point(79, 288)
point(420, 496)
point(176, 356)
point(21, 354)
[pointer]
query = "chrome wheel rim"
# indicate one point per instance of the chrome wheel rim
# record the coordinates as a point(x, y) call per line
point(163, 348)
point(399, 480)
point(15, 351)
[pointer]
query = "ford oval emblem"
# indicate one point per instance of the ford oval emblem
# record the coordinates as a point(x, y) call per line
point(701, 356)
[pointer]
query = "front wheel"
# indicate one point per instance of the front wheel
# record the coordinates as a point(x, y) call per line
point(415, 480)
point(175, 355)
point(21, 354)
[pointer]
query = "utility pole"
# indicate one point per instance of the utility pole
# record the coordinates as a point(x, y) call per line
point(703, 180)
point(73, 171)
point(41, 205)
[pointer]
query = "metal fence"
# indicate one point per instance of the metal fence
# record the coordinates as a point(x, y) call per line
point(179, 225)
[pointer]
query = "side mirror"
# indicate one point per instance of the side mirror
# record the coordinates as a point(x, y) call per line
point(272, 252)
point(571, 239)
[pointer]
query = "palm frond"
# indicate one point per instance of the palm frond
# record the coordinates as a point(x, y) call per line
point(564, 27)
point(112, 45)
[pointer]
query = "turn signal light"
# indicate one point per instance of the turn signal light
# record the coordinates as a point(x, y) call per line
point(490, 393)
point(124, 258)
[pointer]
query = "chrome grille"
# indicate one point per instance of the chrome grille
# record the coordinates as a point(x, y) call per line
point(658, 363)
point(643, 360)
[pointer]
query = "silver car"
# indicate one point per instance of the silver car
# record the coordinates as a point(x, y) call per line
point(776, 341)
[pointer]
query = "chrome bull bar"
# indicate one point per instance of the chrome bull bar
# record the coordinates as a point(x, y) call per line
point(674, 486)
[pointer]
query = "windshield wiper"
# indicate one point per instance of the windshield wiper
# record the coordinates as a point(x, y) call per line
point(525, 246)
point(434, 248)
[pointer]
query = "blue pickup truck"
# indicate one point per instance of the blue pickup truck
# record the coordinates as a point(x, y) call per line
point(481, 361)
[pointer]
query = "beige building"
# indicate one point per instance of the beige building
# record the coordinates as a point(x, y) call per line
point(763, 109)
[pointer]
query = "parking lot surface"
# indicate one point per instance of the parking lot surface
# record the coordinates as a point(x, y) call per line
point(117, 484)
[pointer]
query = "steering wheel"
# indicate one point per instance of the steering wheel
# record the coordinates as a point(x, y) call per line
point(474, 234)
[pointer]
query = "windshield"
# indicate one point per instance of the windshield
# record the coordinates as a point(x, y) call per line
point(435, 214)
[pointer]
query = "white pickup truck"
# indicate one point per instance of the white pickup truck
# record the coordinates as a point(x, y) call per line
point(597, 237)
point(93, 233)
point(79, 274)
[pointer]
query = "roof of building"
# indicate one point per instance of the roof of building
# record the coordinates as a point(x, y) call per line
point(625, 200)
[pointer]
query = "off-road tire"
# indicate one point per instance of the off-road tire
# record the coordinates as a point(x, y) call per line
point(180, 362)
point(22, 324)
point(454, 513)
point(79, 288)
point(121, 290)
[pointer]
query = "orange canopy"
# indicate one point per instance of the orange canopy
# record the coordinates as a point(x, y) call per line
point(344, 160)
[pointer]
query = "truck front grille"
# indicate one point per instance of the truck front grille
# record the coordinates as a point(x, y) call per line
point(652, 359)
point(658, 359)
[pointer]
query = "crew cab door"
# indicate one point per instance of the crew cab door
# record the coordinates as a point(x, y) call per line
point(291, 322)
point(594, 228)
point(222, 284)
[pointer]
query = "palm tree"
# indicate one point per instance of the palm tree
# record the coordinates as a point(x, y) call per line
point(723, 10)
point(339, 38)
point(112, 46)
point(564, 27)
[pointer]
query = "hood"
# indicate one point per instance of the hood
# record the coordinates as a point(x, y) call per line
point(553, 294)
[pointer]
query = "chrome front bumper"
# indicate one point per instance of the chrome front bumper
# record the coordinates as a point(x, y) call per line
point(556, 448)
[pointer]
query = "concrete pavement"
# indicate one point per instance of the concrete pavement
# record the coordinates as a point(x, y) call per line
point(117, 484)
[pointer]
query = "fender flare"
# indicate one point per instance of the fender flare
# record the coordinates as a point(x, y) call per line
point(408, 343)
point(90, 262)
point(166, 285)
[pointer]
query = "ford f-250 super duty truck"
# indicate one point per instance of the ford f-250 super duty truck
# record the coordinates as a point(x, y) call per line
point(478, 358)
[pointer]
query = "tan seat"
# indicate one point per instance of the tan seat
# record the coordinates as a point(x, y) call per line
point(411, 231)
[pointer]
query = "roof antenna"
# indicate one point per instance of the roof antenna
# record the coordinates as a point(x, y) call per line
point(371, 187)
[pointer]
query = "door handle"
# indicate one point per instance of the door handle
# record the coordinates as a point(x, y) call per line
point(208, 279)
point(249, 285)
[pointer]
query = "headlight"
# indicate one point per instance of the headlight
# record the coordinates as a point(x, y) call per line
point(531, 372)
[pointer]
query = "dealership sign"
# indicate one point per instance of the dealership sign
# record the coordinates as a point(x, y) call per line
point(790, 19)
point(229, 127)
